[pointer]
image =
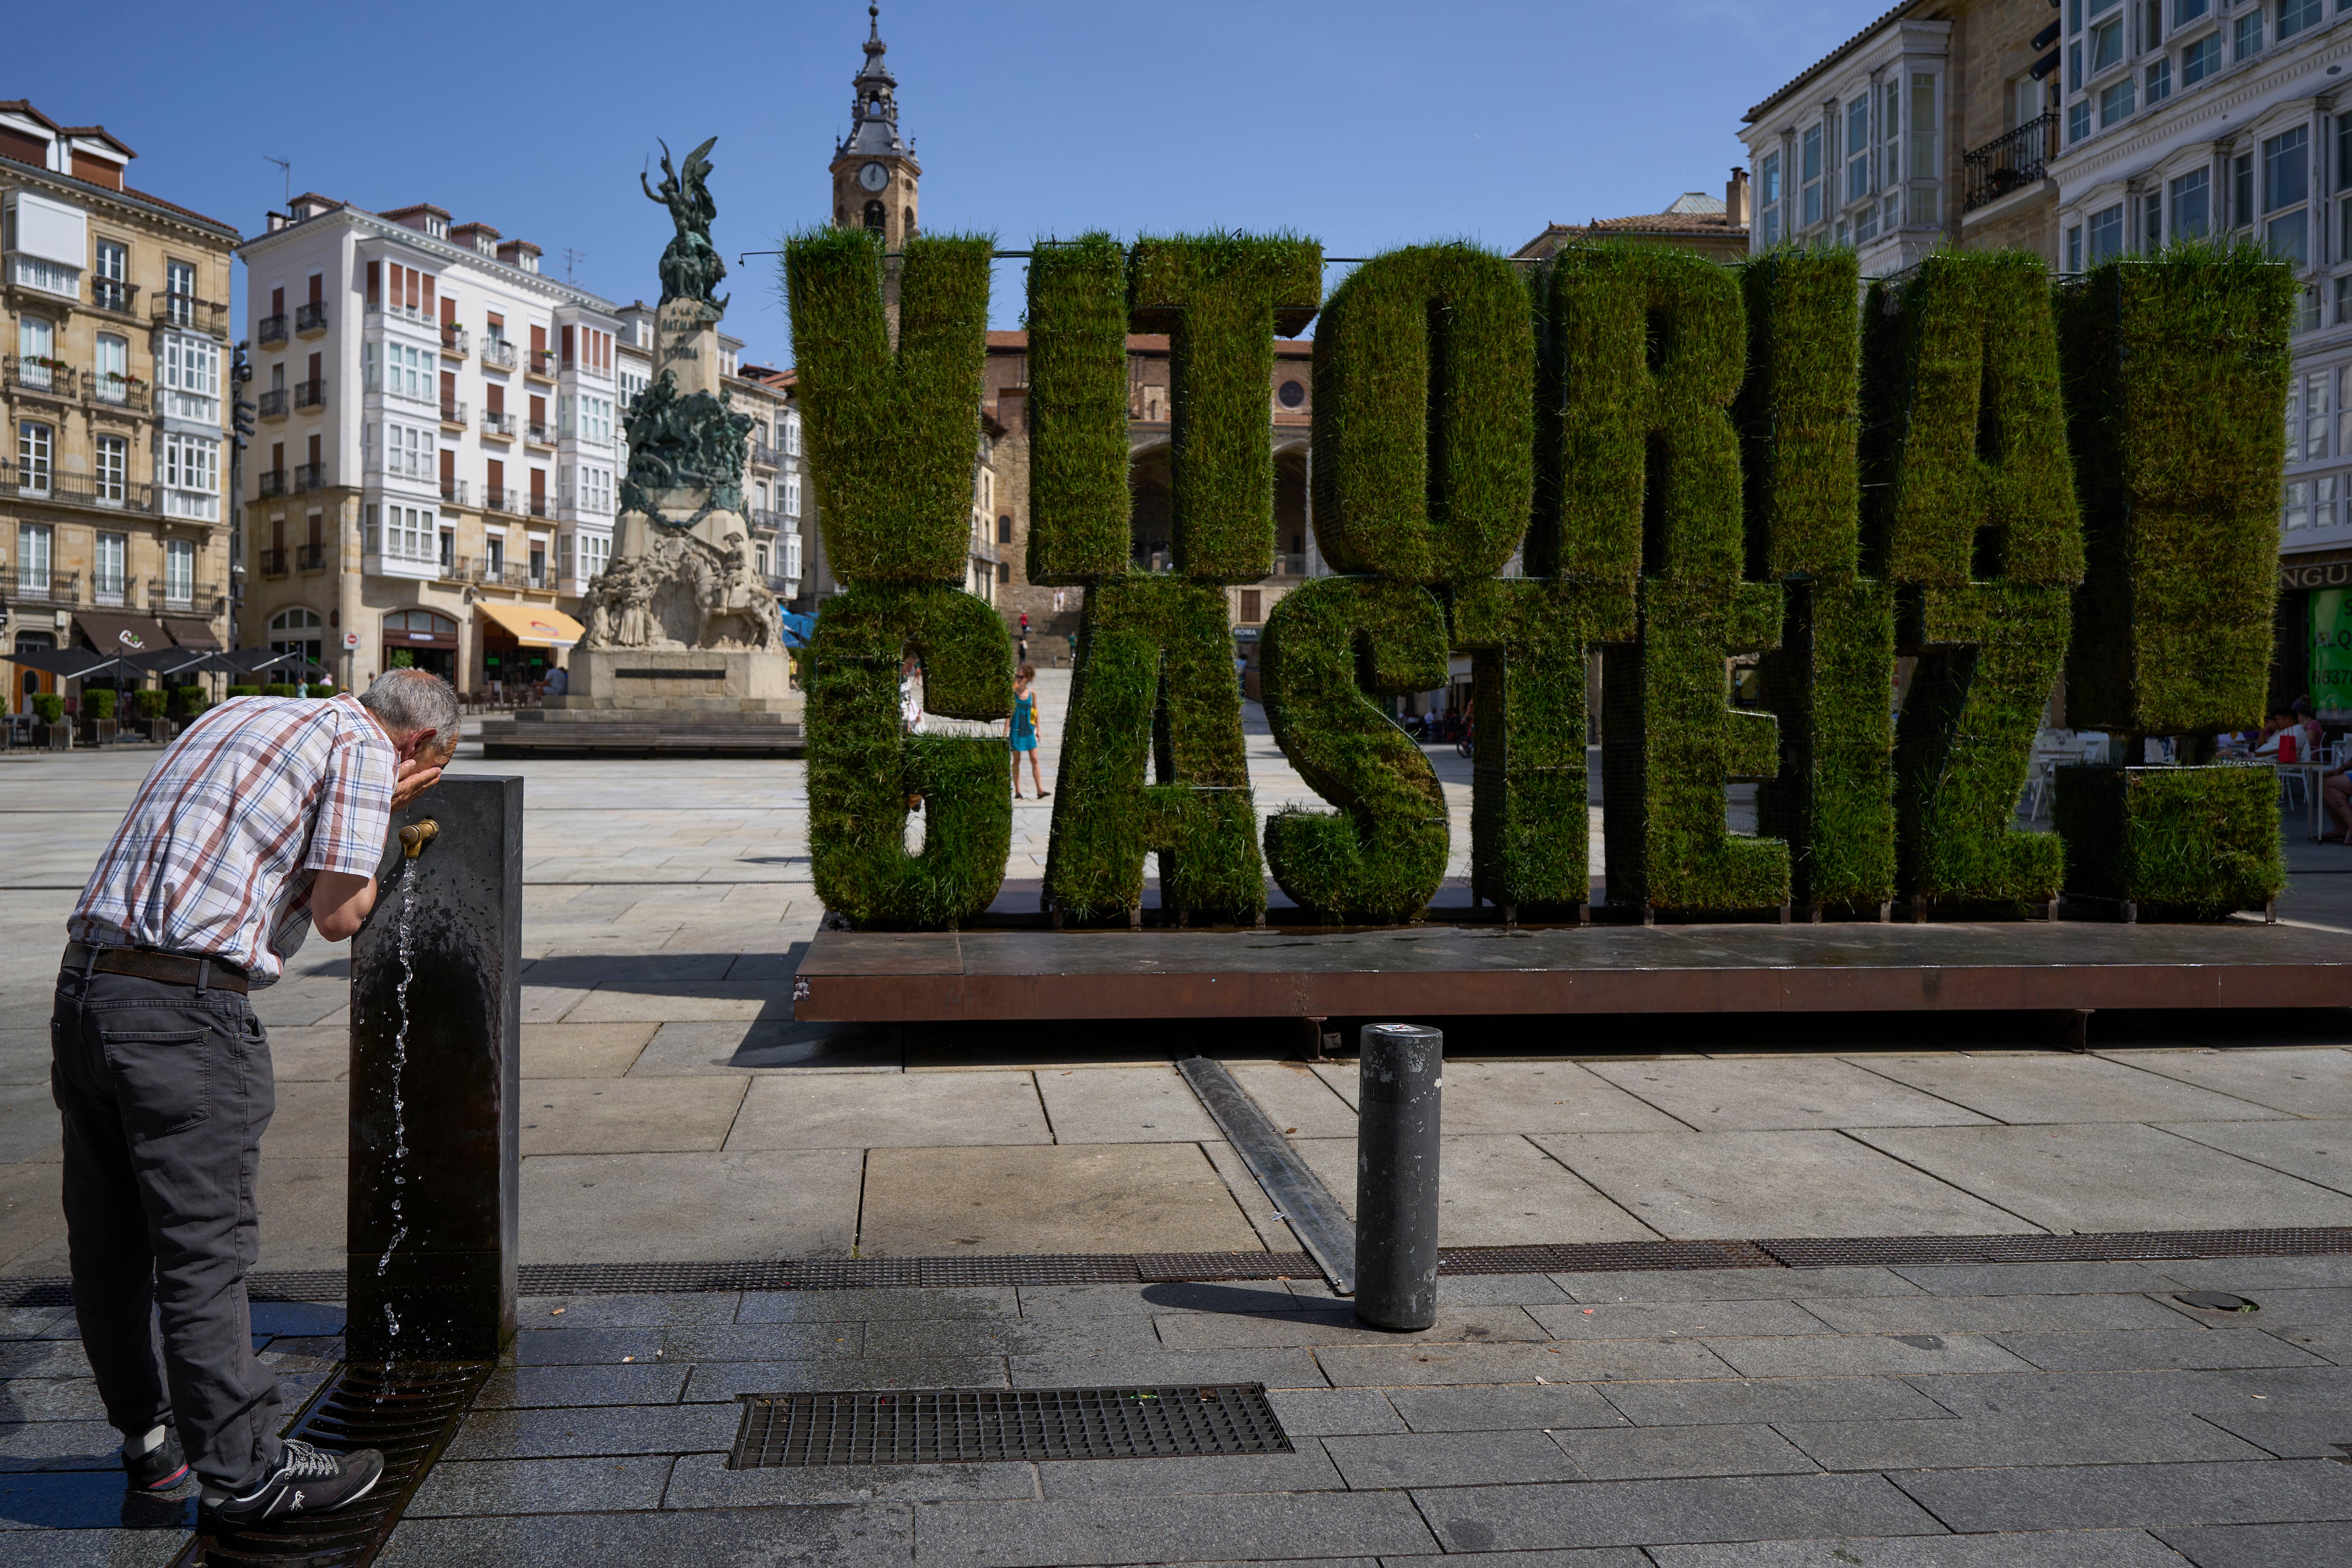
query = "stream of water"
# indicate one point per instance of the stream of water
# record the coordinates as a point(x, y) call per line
point(399, 1062)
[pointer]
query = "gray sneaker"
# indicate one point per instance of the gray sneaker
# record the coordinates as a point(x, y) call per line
point(306, 1481)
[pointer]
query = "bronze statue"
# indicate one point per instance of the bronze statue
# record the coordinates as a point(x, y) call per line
point(691, 268)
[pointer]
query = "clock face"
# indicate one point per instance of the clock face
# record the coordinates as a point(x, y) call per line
point(874, 176)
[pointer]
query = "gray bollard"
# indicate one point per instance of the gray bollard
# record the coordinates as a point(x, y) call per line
point(435, 1063)
point(1399, 1079)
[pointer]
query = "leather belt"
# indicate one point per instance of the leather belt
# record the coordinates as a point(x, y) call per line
point(174, 969)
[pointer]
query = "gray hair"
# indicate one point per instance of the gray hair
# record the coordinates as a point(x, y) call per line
point(407, 701)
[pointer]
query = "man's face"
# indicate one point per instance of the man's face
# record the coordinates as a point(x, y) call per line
point(426, 748)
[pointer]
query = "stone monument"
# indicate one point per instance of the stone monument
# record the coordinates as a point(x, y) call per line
point(684, 646)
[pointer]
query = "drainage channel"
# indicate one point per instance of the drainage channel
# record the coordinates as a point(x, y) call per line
point(1314, 1216)
point(409, 1410)
point(983, 1425)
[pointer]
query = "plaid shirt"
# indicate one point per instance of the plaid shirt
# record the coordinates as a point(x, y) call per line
point(219, 854)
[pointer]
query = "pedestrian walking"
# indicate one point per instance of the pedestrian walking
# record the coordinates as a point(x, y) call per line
point(266, 818)
point(1020, 730)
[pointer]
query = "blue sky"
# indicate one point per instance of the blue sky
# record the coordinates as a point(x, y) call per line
point(1364, 124)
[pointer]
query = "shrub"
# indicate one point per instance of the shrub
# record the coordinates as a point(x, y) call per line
point(1968, 502)
point(281, 689)
point(862, 768)
point(1382, 854)
point(891, 435)
point(1222, 300)
point(98, 701)
point(252, 690)
point(1154, 688)
point(2193, 842)
point(1425, 381)
point(49, 707)
point(1829, 681)
point(149, 703)
point(1078, 501)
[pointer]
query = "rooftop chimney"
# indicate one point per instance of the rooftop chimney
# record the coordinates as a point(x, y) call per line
point(1734, 200)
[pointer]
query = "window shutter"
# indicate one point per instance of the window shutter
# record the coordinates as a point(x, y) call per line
point(318, 288)
point(538, 339)
point(374, 289)
point(498, 471)
point(277, 302)
point(278, 456)
point(449, 462)
point(567, 345)
point(314, 450)
point(494, 397)
point(315, 367)
point(428, 294)
point(538, 484)
point(539, 411)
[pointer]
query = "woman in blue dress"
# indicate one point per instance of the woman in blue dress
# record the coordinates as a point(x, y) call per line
point(1022, 728)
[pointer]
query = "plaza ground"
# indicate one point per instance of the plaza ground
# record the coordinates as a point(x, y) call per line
point(673, 1109)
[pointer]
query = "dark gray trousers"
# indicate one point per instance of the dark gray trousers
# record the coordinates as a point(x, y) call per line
point(164, 1091)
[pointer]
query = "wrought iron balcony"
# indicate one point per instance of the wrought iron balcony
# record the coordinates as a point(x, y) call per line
point(540, 434)
point(542, 364)
point(310, 319)
point(272, 404)
point(308, 475)
point(453, 413)
point(760, 518)
point(2009, 162)
point(272, 483)
point(310, 395)
point(501, 498)
point(497, 423)
point(41, 586)
point(113, 294)
point(272, 331)
point(273, 563)
point(453, 491)
point(541, 506)
point(102, 491)
point(187, 311)
point(454, 341)
point(761, 453)
point(498, 354)
point(116, 391)
point(309, 557)
point(39, 374)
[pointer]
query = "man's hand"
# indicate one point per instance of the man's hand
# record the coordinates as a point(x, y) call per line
point(415, 777)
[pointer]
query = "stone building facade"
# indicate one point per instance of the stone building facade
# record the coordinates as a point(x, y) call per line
point(113, 520)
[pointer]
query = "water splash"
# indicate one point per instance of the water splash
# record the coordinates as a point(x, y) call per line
point(403, 945)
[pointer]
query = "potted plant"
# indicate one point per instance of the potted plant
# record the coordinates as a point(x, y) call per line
point(150, 705)
point(97, 712)
point(49, 726)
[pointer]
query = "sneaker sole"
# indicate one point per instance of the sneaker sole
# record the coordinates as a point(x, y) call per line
point(166, 1484)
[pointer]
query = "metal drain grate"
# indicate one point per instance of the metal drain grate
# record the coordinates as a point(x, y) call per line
point(967, 1426)
point(1811, 1252)
point(1593, 1257)
point(408, 1410)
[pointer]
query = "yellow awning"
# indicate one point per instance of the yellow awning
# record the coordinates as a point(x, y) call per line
point(533, 625)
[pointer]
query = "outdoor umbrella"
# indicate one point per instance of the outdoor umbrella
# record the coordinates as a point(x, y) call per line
point(75, 664)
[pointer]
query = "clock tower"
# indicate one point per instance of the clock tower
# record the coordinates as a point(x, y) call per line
point(874, 171)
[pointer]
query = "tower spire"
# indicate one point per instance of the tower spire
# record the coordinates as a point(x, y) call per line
point(874, 169)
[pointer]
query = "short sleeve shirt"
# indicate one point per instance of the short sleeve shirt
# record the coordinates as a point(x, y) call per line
point(220, 849)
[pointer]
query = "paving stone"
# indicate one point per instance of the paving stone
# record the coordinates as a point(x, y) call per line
point(857, 1111)
point(1659, 1320)
point(1523, 1097)
point(1497, 1289)
point(79, 1501)
point(597, 1429)
point(305, 1318)
point(723, 1380)
point(1772, 1183)
point(1732, 1401)
point(1088, 1197)
point(1291, 1092)
point(629, 1116)
point(1469, 1325)
point(850, 1536)
point(1012, 1336)
point(1146, 1103)
point(50, 1399)
point(2321, 1270)
point(2262, 1545)
point(2035, 1279)
point(627, 1208)
point(2294, 1309)
point(1450, 1459)
point(715, 999)
point(88, 1548)
point(1527, 1407)
point(2030, 1087)
point(708, 1047)
point(542, 1486)
point(2270, 1492)
point(626, 1312)
point(2047, 1549)
point(831, 1306)
point(1048, 1302)
point(703, 1481)
point(1847, 1354)
point(1306, 1471)
point(2139, 1350)
point(2301, 1080)
point(536, 1386)
point(1353, 1366)
point(1995, 1314)
point(2095, 1177)
point(584, 1346)
point(1329, 1412)
point(2092, 1395)
point(1495, 1190)
point(1650, 1513)
point(2023, 1439)
point(1275, 1368)
point(582, 1050)
point(1732, 1284)
point(2317, 1152)
point(1758, 1094)
point(1072, 1532)
point(59, 1446)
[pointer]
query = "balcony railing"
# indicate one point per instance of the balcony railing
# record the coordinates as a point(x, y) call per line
point(116, 391)
point(460, 569)
point(501, 498)
point(542, 364)
point(498, 421)
point(272, 483)
point(310, 319)
point(113, 294)
point(453, 491)
point(309, 477)
point(760, 518)
point(272, 330)
point(103, 491)
point(273, 563)
point(272, 404)
point(541, 506)
point(206, 599)
point(498, 354)
point(453, 339)
point(39, 373)
point(309, 557)
point(41, 586)
point(108, 591)
point(540, 434)
point(782, 587)
point(310, 395)
point(2009, 162)
point(454, 413)
point(1288, 564)
point(761, 453)
point(188, 311)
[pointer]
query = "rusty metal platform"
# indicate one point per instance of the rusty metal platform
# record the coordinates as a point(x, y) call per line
point(1432, 970)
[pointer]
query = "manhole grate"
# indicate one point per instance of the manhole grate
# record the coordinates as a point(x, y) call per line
point(967, 1426)
point(407, 1410)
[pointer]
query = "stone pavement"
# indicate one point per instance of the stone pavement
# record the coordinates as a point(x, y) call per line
point(1991, 1416)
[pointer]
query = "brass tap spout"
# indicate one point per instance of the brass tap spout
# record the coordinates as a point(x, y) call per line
point(416, 835)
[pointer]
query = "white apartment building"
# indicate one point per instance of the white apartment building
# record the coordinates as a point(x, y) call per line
point(439, 455)
point(2190, 117)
